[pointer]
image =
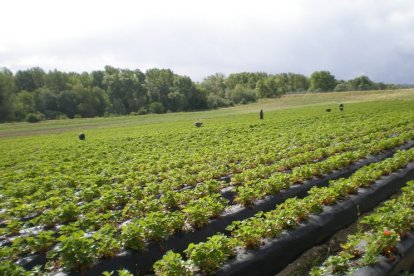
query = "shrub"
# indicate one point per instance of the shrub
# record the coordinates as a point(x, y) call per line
point(34, 117)
point(242, 95)
point(142, 111)
point(156, 107)
point(341, 87)
point(214, 101)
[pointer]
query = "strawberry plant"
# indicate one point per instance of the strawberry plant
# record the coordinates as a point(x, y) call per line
point(208, 256)
point(172, 264)
point(121, 272)
point(41, 242)
point(326, 195)
point(382, 231)
point(159, 226)
point(107, 243)
point(133, 236)
point(377, 243)
point(10, 269)
point(13, 226)
point(169, 199)
point(68, 212)
point(339, 263)
point(246, 195)
point(199, 212)
point(250, 232)
point(76, 251)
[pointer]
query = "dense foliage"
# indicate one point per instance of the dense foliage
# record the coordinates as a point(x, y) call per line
point(34, 94)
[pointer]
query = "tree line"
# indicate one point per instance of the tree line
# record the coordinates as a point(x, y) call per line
point(34, 94)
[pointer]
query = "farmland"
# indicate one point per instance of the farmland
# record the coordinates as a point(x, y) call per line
point(154, 193)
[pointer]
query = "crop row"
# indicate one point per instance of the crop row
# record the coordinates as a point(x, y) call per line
point(156, 226)
point(98, 166)
point(29, 181)
point(124, 191)
point(141, 203)
point(378, 235)
point(204, 201)
point(269, 182)
point(250, 233)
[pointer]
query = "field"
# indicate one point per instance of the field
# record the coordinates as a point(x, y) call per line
point(155, 193)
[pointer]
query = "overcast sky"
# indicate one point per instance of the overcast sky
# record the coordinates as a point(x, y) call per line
point(199, 37)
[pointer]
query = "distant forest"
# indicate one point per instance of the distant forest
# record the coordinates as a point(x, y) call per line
point(33, 95)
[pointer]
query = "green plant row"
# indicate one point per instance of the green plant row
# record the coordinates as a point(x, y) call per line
point(274, 182)
point(146, 175)
point(378, 235)
point(116, 188)
point(140, 204)
point(316, 151)
point(156, 225)
point(250, 233)
point(93, 191)
point(198, 211)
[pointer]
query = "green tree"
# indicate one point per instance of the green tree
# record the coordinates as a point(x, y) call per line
point(68, 101)
point(242, 94)
point(341, 87)
point(322, 81)
point(268, 87)
point(177, 101)
point(214, 101)
point(46, 102)
point(282, 83)
point(30, 79)
point(125, 89)
point(7, 95)
point(380, 86)
point(156, 107)
point(57, 81)
point(184, 94)
point(97, 79)
point(298, 82)
point(24, 104)
point(159, 83)
point(83, 79)
point(91, 101)
point(247, 79)
point(215, 84)
point(360, 83)
point(273, 86)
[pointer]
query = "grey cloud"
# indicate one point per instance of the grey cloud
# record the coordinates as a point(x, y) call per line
point(343, 39)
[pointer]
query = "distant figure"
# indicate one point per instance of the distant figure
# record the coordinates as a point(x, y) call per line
point(328, 110)
point(198, 124)
point(261, 114)
point(82, 136)
point(341, 107)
